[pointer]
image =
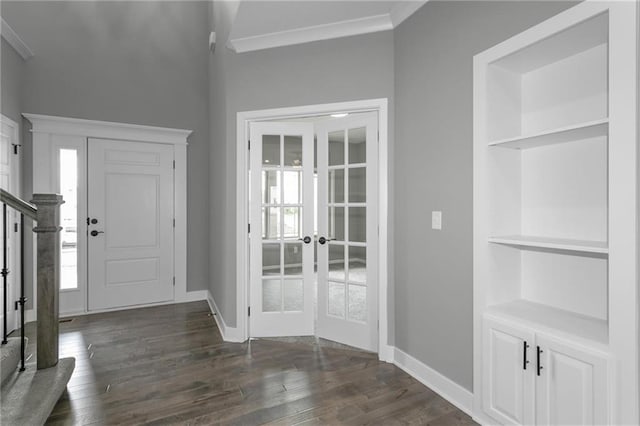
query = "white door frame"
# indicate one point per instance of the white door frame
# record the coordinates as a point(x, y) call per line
point(385, 351)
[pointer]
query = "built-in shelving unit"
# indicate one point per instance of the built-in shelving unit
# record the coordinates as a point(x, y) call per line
point(555, 151)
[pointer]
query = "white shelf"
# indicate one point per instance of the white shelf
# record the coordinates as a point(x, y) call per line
point(565, 134)
point(553, 320)
point(552, 243)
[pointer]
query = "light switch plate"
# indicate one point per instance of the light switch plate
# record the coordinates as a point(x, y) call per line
point(436, 220)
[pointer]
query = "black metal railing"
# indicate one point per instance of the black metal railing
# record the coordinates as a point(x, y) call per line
point(9, 200)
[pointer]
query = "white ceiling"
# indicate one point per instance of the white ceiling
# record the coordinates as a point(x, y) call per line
point(265, 24)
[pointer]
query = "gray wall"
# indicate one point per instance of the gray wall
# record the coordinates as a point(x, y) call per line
point(434, 49)
point(12, 82)
point(133, 62)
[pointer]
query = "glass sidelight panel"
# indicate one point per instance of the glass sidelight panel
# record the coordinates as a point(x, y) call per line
point(336, 299)
point(357, 302)
point(271, 295)
point(271, 259)
point(336, 148)
point(293, 258)
point(336, 186)
point(293, 295)
point(336, 262)
point(336, 223)
point(358, 145)
point(271, 223)
point(69, 219)
point(357, 264)
point(358, 224)
point(271, 150)
point(357, 185)
point(293, 151)
point(271, 186)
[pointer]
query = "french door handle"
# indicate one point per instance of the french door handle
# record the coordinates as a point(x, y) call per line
point(95, 233)
point(306, 239)
point(323, 240)
point(538, 360)
point(525, 361)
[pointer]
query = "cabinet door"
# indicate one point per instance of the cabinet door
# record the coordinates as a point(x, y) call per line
point(571, 386)
point(508, 388)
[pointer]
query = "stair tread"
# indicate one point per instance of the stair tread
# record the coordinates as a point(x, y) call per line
point(9, 357)
point(29, 397)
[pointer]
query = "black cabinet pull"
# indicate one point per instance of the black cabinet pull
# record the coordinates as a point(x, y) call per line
point(525, 361)
point(538, 360)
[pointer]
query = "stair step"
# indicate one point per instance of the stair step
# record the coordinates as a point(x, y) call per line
point(9, 357)
point(29, 397)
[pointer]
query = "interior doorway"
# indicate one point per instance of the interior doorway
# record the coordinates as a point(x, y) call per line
point(317, 263)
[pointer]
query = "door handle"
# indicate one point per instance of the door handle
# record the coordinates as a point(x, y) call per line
point(538, 360)
point(95, 233)
point(323, 240)
point(306, 239)
point(525, 361)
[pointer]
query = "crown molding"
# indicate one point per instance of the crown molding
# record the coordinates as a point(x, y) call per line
point(14, 40)
point(106, 129)
point(403, 10)
point(333, 30)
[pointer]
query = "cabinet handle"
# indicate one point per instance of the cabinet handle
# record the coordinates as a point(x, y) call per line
point(525, 361)
point(538, 360)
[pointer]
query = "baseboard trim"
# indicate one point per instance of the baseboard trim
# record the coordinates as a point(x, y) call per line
point(193, 296)
point(229, 334)
point(446, 388)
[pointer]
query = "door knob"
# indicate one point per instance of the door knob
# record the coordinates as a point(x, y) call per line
point(94, 221)
point(95, 233)
point(323, 240)
point(306, 239)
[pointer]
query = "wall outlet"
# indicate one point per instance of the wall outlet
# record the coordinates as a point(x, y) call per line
point(436, 220)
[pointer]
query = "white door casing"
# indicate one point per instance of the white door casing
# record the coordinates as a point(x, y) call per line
point(348, 217)
point(130, 194)
point(282, 289)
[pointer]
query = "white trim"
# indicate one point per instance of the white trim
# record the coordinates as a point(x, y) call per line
point(351, 27)
point(401, 11)
point(385, 352)
point(192, 296)
point(14, 40)
point(229, 334)
point(446, 388)
point(106, 129)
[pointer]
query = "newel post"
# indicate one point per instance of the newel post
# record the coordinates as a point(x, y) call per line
point(48, 276)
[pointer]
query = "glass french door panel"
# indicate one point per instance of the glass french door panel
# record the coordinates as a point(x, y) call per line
point(292, 222)
point(336, 148)
point(357, 224)
point(271, 223)
point(358, 145)
point(336, 186)
point(336, 299)
point(336, 223)
point(271, 259)
point(357, 185)
point(293, 298)
point(357, 264)
point(271, 150)
point(271, 186)
point(293, 259)
point(357, 305)
point(272, 295)
point(292, 187)
point(337, 271)
point(293, 151)
point(69, 219)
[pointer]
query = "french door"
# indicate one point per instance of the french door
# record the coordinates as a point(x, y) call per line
point(313, 227)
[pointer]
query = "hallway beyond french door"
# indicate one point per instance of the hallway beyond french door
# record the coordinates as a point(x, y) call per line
point(313, 237)
point(129, 224)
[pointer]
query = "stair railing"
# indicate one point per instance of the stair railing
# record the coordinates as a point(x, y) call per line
point(45, 210)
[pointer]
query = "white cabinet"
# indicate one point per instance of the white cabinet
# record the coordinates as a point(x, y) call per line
point(532, 378)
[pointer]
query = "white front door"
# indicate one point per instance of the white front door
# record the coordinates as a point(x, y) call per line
point(348, 230)
point(281, 234)
point(130, 230)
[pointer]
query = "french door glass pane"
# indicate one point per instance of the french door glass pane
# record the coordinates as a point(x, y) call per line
point(336, 262)
point(271, 295)
point(271, 150)
point(69, 218)
point(271, 186)
point(336, 223)
point(357, 224)
point(336, 148)
point(358, 145)
point(293, 295)
point(293, 151)
point(293, 258)
point(357, 302)
point(292, 187)
point(357, 264)
point(271, 259)
point(357, 185)
point(292, 222)
point(271, 223)
point(336, 186)
point(336, 299)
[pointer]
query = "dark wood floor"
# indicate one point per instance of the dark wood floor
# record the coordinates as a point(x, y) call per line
point(169, 365)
